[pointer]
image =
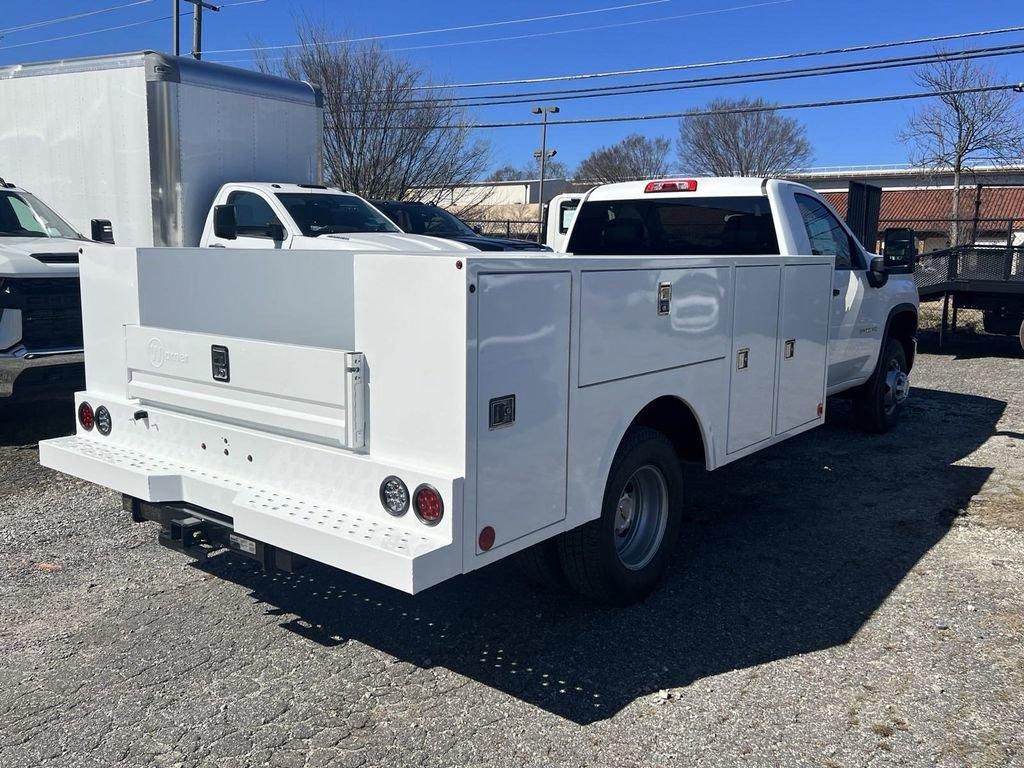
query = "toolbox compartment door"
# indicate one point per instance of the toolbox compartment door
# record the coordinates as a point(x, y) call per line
point(755, 342)
point(309, 392)
point(522, 402)
point(803, 344)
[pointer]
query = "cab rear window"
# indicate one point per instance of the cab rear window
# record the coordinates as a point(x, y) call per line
point(698, 226)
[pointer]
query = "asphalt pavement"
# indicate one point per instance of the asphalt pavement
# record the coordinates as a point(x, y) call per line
point(843, 600)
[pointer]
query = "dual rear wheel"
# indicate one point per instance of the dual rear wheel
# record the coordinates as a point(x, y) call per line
point(621, 556)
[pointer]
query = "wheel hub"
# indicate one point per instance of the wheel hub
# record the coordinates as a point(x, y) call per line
point(897, 388)
point(641, 516)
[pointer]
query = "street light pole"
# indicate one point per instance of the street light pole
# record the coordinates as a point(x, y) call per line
point(543, 155)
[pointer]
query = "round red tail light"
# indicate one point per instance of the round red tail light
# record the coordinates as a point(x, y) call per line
point(428, 504)
point(86, 417)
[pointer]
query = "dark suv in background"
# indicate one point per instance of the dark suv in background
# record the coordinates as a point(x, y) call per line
point(427, 219)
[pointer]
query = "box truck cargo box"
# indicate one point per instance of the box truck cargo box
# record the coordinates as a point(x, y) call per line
point(146, 139)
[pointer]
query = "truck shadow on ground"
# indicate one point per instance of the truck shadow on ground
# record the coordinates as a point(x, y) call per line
point(799, 545)
point(969, 345)
point(28, 423)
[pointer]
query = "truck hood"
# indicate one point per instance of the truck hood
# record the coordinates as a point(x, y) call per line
point(17, 256)
point(381, 241)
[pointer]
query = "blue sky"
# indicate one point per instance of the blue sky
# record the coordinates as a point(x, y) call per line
point(853, 135)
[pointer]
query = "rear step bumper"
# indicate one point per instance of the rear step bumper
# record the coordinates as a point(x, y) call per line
point(327, 533)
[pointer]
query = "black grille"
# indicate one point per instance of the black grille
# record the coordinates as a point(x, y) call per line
point(57, 258)
point(51, 311)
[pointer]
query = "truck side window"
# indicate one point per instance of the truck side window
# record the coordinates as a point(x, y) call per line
point(252, 213)
point(827, 236)
point(566, 213)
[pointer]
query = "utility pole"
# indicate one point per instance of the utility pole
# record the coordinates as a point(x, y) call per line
point(543, 154)
point(197, 25)
point(176, 27)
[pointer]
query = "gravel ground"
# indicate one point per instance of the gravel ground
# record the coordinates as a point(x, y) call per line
point(845, 600)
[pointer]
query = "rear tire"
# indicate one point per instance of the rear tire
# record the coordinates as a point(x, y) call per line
point(880, 401)
point(620, 557)
point(540, 565)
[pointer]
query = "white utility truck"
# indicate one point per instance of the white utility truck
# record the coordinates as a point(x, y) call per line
point(40, 315)
point(412, 416)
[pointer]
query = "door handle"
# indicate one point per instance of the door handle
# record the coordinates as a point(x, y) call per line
point(835, 291)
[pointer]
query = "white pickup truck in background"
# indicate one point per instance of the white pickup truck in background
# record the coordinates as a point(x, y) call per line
point(413, 416)
point(40, 309)
point(304, 216)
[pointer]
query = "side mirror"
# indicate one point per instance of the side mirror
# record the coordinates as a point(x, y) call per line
point(478, 229)
point(900, 252)
point(877, 274)
point(225, 225)
point(102, 231)
point(276, 232)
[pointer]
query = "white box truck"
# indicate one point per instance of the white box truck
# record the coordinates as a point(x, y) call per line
point(146, 139)
point(410, 417)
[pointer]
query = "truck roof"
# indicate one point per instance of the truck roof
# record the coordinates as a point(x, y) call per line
point(707, 186)
point(270, 187)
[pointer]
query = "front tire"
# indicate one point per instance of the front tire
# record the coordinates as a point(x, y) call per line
point(620, 557)
point(881, 400)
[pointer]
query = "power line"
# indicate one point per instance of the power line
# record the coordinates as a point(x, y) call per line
point(438, 30)
point(729, 62)
point(116, 28)
point(705, 82)
point(617, 25)
point(1019, 87)
point(73, 17)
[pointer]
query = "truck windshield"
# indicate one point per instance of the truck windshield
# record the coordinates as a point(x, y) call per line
point(324, 214)
point(695, 226)
point(24, 215)
point(421, 219)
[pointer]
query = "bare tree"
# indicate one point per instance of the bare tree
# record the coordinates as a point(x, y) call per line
point(959, 127)
point(635, 157)
point(742, 137)
point(385, 135)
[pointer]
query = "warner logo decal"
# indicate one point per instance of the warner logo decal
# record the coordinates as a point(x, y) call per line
point(159, 354)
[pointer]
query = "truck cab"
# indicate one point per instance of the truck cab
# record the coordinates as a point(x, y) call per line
point(40, 309)
point(872, 302)
point(306, 216)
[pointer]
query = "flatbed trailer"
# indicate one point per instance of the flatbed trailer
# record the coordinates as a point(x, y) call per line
point(985, 278)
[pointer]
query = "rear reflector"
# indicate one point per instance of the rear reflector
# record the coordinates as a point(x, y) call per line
point(672, 185)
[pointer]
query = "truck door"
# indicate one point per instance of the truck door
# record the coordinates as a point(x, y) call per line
point(558, 218)
point(853, 329)
point(256, 221)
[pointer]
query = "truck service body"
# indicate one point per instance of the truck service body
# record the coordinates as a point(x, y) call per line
point(412, 416)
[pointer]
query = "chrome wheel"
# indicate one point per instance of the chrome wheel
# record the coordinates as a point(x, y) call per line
point(641, 516)
point(897, 387)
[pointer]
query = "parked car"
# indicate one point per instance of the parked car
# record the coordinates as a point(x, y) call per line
point(409, 417)
point(427, 219)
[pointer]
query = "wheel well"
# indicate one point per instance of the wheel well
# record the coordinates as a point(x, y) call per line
point(903, 328)
point(674, 419)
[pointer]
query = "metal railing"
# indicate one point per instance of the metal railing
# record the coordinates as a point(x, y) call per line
point(515, 230)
